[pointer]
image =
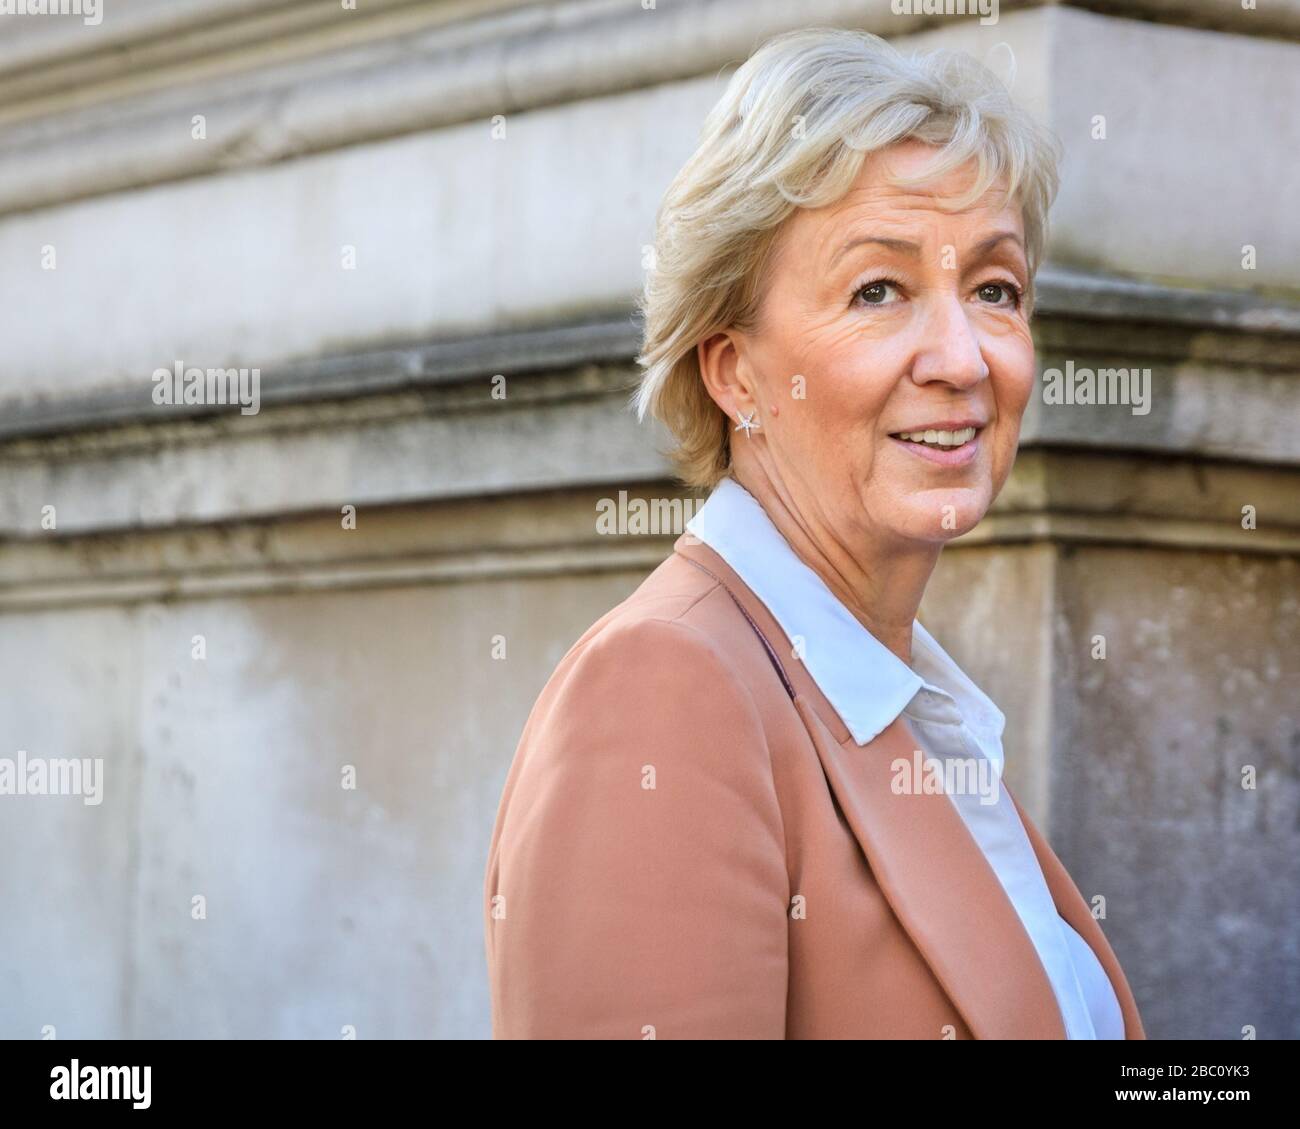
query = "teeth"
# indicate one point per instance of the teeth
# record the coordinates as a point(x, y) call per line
point(934, 438)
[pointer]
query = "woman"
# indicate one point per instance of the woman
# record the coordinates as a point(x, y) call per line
point(757, 799)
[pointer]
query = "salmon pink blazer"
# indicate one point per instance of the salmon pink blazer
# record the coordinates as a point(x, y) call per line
point(691, 845)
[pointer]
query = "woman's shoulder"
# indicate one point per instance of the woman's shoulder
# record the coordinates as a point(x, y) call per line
point(665, 679)
point(678, 623)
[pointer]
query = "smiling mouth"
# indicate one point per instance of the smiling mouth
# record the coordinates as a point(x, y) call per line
point(939, 440)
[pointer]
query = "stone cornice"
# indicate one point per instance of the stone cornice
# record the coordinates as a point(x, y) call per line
point(1075, 311)
point(1057, 498)
point(86, 114)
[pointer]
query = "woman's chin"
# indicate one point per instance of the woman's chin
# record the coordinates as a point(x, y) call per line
point(942, 515)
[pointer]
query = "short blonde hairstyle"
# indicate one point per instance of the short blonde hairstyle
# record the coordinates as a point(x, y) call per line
point(792, 130)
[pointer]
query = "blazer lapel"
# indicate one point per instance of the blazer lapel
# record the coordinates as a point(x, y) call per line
point(941, 887)
point(1070, 904)
point(933, 873)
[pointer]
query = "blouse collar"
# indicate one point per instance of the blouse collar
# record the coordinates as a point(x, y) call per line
point(864, 681)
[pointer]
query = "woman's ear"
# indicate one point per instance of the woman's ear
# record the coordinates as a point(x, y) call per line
point(726, 373)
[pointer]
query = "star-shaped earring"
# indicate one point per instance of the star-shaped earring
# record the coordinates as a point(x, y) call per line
point(747, 424)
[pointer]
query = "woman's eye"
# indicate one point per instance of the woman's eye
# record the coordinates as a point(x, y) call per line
point(876, 293)
point(996, 293)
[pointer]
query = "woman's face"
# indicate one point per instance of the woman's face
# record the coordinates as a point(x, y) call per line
point(902, 327)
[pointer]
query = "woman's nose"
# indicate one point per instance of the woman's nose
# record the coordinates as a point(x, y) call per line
point(949, 347)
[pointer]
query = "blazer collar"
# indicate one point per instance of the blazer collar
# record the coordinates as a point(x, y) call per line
point(920, 852)
point(864, 681)
point(736, 527)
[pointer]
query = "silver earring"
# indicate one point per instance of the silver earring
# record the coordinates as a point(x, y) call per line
point(747, 424)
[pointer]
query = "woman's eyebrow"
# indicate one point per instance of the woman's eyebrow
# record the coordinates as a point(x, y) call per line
point(984, 246)
point(904, 245)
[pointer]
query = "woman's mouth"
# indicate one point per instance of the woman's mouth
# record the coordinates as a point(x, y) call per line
point(947, 446)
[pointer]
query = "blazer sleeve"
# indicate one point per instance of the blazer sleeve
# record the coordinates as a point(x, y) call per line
point(637, 884)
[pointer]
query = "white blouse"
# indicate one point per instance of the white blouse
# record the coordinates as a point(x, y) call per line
point(869, 686)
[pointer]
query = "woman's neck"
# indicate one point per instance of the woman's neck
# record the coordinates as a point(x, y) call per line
point(879, 580)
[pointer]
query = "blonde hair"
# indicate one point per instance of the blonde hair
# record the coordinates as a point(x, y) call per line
point(792, 130)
